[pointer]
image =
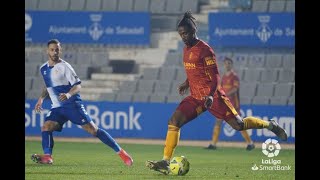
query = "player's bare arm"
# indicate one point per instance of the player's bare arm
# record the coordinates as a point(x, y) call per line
point(74, 90)
point(44, 94)
point(183, 87)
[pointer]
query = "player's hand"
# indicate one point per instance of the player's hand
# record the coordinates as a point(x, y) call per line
point(64, 96)
point(208, 101)
point(38, 106)
point(183, 88)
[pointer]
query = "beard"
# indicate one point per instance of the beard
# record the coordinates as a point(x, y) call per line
point(54, 58)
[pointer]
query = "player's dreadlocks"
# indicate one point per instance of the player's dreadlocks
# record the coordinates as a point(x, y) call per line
point(188, 20)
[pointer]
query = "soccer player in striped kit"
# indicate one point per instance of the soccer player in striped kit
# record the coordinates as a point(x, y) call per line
point(63, 87)
point(203, 78)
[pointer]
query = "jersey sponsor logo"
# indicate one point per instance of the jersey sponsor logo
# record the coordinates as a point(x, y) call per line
point(188, 65)
point(209, 61)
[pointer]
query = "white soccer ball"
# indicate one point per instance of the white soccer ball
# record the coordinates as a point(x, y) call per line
point(179, 166)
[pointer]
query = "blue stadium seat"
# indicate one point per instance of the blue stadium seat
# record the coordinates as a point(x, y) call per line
point(125, 5)
point(265, 89)
point(145, 86)
point(123, 97)
point(289, 61)
point(46, 5)
point(93, 5)
point(290, 6)
point(167, 73)
point(260, 100)
point(31, 69)
point(248, 89)
point(157, 6)
point(291, 100)
point(151, 73)
point(28, 83)
point(252, 75)
point(277, 5)
point(140, 97)
point(259, 6)
point(283, 89)
point(162, 87)
point(174, 7)
point(256, 60)
point(181, 75)
point(278, 100)
point(31, 4)
point(286, 75)
point(273, 61)
point(269, 75)
point(107, 97)
point(109, 5)
point(174, 98)
point(245, 100)
point(158, 97)
point(240, 60)
point(77, 5)
point(128, 86)
point(192, 5)
point(141, 5)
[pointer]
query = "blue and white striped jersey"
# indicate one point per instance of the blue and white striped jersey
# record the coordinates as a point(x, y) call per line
point(59, 79)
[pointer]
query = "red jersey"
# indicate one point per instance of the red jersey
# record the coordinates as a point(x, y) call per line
point(202, 71)
point(229, 82)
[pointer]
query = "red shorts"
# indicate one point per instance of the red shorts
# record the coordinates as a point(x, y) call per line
point(221, 108)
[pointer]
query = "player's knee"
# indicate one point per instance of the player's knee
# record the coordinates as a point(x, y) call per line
point(93, 133)
point(239, 126)
point(177, 119)
point(218, 122)
point(47, 127)
point(174, 122)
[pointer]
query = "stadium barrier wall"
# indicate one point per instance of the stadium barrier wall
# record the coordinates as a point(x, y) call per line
point(252, 29)
point(114, 28)
point(149, 121)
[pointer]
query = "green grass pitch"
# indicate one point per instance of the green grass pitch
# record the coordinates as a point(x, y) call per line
point(95, 161)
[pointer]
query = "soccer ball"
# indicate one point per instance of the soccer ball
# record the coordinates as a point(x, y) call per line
point(179, 166)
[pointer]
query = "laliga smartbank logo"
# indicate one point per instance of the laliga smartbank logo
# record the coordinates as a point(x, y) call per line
point(271, 148)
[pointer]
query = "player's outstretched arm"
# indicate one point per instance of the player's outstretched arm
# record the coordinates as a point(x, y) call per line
point(38, 106)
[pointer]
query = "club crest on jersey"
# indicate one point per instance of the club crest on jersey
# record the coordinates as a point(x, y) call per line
point(190, 56)
point(209, 61)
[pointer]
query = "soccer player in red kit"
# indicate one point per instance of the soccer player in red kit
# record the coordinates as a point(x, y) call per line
point(203, 76)
point(230, 84)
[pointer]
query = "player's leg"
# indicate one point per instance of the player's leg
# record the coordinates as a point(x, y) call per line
point(187, 110)
point(79, 116)
point(222, 108)
point(215, 134)
point(245, 135)
point(107, 139)
point(53, 122)
point(248, 140)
